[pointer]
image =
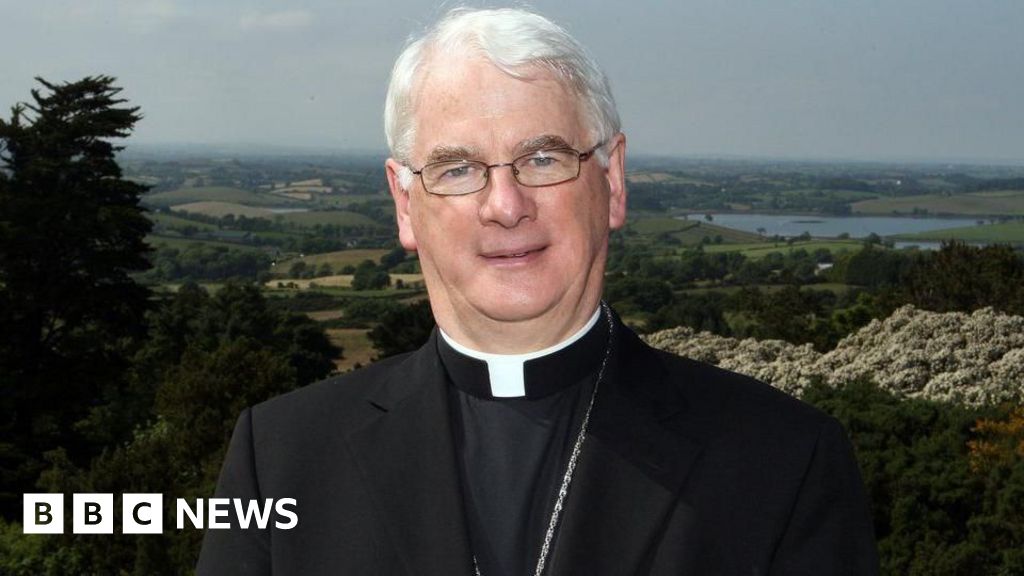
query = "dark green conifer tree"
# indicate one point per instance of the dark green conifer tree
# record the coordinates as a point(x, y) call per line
point(71, 232)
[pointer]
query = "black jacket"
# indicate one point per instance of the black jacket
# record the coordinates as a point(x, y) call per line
point(687, 470)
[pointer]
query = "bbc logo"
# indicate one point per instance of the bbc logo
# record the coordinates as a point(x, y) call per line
point(144, 513)
point(92, 514)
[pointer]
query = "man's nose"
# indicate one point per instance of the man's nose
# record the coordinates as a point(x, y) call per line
point(505, 201)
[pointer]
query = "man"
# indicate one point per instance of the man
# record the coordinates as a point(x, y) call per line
point(533, 433)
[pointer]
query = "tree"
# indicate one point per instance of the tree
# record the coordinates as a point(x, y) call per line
point(393, 258)
point(943, 501)
point(702, 312)
point(297, 269)
point(369, 276)
point(207, 358)
point(964, 278)
point(71, 233)
point(403, 329)
point(874, 267)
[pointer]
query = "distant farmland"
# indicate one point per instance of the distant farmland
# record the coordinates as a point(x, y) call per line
point(336, 281)
point(690, 231)
point(165, 220)
point(759, 250)
point(214, 194)
point(221, 209)
point(341, 258)
point(304, 219)
point(1008, 232)
point(179, 243)
point(995, 203)
point(335, 217)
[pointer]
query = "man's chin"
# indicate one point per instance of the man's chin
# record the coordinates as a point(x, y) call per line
point(514, 305)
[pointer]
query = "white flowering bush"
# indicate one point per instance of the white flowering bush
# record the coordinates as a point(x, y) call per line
point(777, 362)
point(974, 359)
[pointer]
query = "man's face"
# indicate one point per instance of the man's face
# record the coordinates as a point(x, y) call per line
point(507, 253)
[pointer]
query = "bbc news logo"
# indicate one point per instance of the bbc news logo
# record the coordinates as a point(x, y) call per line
point(143, 513)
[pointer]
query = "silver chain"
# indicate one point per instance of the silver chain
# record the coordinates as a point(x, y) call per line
point(563, 491)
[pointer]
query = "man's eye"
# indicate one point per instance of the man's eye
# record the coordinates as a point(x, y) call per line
point(460, 171)
point(542, 161)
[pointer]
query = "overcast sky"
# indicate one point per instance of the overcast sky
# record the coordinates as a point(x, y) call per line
point(830, 79)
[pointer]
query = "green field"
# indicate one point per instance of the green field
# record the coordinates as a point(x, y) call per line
point(214, 194)
point(271, 235)
point(335, 217)
point(842, 195)
point(173, 287)
point(340, 259)
point(165, 220)
point(357, 348)
point(182, 243)
point(695, 234)
point(689, 232)
point(994, 203)
point(271, 289)
point(336, 281)
point(1007, 232)
point(833, 287)
point(664, 177)
point(758, 250)
point(218, 209)
point(342, 200)
point(660, 225)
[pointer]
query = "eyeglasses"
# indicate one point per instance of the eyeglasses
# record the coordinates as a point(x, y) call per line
point(536, 169)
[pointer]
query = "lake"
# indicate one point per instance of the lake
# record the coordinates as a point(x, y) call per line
point(833, 226)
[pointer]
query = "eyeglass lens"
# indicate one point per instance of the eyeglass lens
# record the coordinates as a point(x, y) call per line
point(541, 168)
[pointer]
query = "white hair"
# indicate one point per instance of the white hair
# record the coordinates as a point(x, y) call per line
point(513, 40)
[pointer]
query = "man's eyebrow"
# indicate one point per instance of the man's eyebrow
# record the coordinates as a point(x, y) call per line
point(542, 142)
point(448, 153)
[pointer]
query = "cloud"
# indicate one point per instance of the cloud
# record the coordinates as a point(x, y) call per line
point(150, 14)
point(136, 15)
point(282, 20)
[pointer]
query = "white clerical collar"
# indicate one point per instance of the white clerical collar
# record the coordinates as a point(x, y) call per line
point(506, 370)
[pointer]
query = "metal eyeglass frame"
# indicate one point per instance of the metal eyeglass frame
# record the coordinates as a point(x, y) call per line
point(582, 156)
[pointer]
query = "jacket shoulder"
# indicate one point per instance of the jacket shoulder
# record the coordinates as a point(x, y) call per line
point(715, 398)
point(342, 400)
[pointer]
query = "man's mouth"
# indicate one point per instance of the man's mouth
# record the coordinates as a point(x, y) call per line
point(512, 254)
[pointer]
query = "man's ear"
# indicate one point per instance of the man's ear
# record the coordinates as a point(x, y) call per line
point(616, 174)
point(393, 168)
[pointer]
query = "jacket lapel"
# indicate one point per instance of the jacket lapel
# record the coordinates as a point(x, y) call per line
point(631, 469)
point(626, 485)
point(408, 461)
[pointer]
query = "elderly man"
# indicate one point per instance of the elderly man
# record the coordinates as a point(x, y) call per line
point(533, 433)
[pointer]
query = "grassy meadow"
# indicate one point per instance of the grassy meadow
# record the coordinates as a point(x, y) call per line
point(213, 194)
point(341, 258)
point(165, 220)
point(219, 209)
point(181, 243)
point(992, 203)
point(325, 217)
point(1005, 232)
point(688, 232)
point(356, 347)
point(758, 250)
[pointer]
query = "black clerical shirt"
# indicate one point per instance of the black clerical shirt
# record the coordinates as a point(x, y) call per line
point(513, 452)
